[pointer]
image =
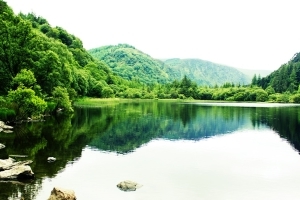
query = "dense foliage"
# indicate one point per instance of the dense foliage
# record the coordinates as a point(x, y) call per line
point(38, 62)
point(283, 84)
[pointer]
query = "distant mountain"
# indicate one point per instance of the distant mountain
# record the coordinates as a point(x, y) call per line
point(286, 78)
point(205, 72)
point(132, 64)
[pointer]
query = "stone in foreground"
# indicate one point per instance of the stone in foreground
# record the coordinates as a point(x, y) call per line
point(17, 172)
point(9, 169)
point(62, 194)
point(128, 186)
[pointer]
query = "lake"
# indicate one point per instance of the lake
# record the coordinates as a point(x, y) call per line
point(176, 150)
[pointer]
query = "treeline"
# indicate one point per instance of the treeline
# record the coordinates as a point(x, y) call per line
point(187, 89)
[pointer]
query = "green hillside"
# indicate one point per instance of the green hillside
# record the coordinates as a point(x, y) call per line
point(132, 64)
point(205, 72)
point(43, 68)
point(286, 78)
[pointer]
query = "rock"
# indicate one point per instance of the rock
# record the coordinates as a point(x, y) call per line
point(4, 126)
point(1, 129)
point(62, 194)
point(7, 127)
point(7, 131)
point(4, 163)
point(9, 169)
point(51, 159)
point(2, 146)
point(128, 185)
point(17, 172)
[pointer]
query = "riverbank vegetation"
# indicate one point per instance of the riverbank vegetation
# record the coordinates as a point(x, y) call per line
point(44, 69)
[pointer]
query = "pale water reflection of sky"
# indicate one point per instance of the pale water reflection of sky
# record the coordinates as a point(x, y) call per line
point(252, 34)
point(245, 164)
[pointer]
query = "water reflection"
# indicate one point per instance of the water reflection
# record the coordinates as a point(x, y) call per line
point(123, 127)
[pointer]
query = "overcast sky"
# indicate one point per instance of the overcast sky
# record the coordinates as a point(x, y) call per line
point(251, 34)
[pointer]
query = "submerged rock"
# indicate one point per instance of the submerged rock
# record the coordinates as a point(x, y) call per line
point(2, 146)
point(128, 186)
point(62, 194)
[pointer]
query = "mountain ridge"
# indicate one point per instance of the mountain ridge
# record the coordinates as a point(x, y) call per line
point(133, 64)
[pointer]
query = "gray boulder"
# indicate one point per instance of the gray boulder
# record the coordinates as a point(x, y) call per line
point(128, 185)
point(62, 194)
point(9, 169)
point(17, 172)
point(5, 128)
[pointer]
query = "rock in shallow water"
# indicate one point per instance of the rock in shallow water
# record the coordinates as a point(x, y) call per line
point(2, 146)
point(51, 159)
point(128, 186)
point(62, 194)
point(17, 172)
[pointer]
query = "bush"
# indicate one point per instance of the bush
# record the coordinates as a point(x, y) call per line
point(61, 97)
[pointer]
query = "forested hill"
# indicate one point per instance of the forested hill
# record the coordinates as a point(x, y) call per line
point(43, 68)
point(54, 58)
point(286, 78)
point(205, 72)
point(132, 64)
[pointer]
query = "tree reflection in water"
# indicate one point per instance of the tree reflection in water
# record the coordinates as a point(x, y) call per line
point(123, 127)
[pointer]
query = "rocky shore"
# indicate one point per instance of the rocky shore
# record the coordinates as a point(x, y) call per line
point(10, 169)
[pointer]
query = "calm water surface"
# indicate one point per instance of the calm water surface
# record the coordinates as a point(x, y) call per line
point(175, 150)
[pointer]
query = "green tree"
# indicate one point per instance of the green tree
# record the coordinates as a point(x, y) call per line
point(24, 77)
point(270, 90)
point(61, 98)
point(254, 80)
point(15, 35)
point(261, 95)
point(26, 103)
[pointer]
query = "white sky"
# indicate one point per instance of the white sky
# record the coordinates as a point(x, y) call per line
point(251, 34)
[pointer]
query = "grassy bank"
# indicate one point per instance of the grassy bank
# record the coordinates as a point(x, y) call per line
point(98, 102)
